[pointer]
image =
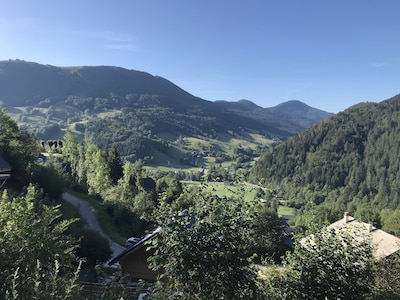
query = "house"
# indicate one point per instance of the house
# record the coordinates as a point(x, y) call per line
point(134, 259)
point(383, 243)
point(5, 169)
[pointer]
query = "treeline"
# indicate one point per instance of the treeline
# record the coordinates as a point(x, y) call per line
point(21, 150)
point(138, 132)
point(103, 174)
point(128, 192)
point(348, 162)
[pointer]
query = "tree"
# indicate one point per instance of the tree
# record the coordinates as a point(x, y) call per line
point(203, 251)
point(387, 284)
point(115, 164)
point(18, 148)
point(169, 189)
point(36, 256)
point(130, 182)
point(94, 248)
point(391, 223)
point(330, 264)
point(266, 236)
point(97, 172)
point(51, 178)
point(73, 152)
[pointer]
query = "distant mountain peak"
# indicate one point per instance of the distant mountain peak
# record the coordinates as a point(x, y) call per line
point(295, 107)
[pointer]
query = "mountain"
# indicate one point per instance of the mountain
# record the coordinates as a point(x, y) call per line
point(349, 160)
point(297, 110)
point(27, 83)
point(114, 105)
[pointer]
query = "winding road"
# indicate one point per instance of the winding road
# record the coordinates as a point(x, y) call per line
point(89, 215)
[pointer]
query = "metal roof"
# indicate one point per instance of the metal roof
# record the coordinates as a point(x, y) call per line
point(133, 247)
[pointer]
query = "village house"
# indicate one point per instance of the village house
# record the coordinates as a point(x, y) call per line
point(134, 259)
point(383, 244)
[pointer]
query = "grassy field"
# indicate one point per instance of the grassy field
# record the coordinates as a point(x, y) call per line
point(171, 159)
point(248, 193)
point(285, 210)
point(220, 189)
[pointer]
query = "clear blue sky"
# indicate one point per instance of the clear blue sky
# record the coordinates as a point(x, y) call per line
point(327, 54)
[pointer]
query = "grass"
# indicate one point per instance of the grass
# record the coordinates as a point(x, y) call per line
point(104, 219)
point(68, 210)
point(285, 210)
point(222, 190)
point(248, 192)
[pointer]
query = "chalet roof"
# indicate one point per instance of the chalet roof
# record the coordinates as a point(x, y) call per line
point(134, 247)
point(383, 243)
point(4, 165)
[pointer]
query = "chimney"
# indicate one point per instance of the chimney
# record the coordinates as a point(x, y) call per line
point(346, 217)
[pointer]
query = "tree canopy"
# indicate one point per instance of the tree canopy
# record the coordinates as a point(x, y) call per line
point(37, 258)
point(203, 251)
point(348, 162)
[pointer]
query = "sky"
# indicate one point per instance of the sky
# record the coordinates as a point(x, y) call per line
point(328, 54)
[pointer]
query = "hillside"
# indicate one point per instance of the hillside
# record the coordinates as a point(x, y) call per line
point(348, 161)
point(134, 109)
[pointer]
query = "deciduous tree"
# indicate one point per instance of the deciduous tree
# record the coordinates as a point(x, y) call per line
point(36, 256)
point(203, 251)
point(330, 264)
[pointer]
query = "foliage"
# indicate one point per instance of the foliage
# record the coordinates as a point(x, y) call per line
point(391, 222)
point(50, 178)
point(18, 148)
point(37, 257)
point(266, 234)
point(203, 251)
point(74, 157)
point(94, 248)
point(168, 189)
point(115, 164)
point(97, 171)
point(329, 264)
point(349, 160)
point(387, 285)
point(126, 201)
point(44, 284)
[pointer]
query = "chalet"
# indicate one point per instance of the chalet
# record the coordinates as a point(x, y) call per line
point(383, 243)
point(134, 259)
point(5, 169)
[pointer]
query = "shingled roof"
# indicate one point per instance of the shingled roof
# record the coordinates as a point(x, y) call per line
point(384, 244)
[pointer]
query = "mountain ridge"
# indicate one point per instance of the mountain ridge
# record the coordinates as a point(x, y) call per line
point(145, 82)
point(113, 104)
point(347, 162)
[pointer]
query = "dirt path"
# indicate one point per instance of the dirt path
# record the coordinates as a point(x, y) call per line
point(89, 215)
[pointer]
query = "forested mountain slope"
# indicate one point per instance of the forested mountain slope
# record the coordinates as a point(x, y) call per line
point(347, 160)
point(122, 104)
